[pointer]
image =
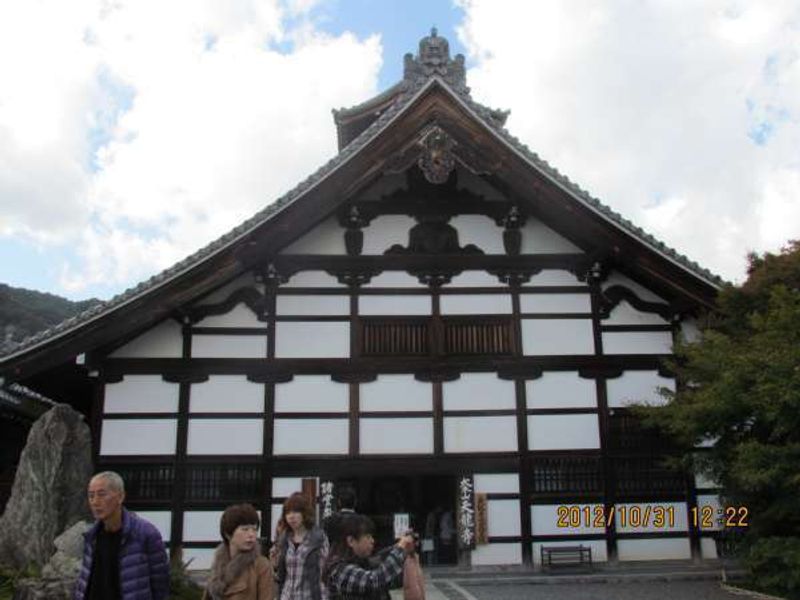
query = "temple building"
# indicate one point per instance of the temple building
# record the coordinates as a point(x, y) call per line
point(436, 319)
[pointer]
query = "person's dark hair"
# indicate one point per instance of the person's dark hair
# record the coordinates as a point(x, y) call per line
point(346, 499)
point(234, 516)
point(354, 526)
point(297, 502)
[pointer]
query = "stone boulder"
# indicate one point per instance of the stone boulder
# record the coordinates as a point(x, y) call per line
point(49, 492)
point(66, 562)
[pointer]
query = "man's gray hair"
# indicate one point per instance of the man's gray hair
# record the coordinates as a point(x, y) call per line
point(114, 480)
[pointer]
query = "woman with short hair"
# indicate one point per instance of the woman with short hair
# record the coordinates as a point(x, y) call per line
point(301, 551)
point(239, 571)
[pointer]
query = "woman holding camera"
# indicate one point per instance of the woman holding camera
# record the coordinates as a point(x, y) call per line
point(348, 572)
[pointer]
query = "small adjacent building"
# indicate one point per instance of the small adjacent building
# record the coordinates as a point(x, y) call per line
point(436, 319)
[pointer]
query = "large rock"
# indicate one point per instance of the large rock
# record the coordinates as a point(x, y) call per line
point(49, 492)
point(66, 562)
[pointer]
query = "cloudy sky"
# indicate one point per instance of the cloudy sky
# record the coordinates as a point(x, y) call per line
point(132, 132)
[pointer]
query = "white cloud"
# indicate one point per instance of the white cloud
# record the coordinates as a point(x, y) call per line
point(682, 116)
point(138, 131)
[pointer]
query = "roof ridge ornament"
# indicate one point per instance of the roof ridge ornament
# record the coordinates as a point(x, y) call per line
point(433, 60)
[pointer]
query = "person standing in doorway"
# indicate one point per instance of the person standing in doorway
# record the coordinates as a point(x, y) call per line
point(123, 554)
point(447, 537)
point(301, 552)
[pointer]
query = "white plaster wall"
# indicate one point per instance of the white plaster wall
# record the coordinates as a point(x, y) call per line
point(617, 278)
point(544, 520)
point(126, 437)
point(312, 279)
point(563, 432)
point(497, 554)
point(718, 518)
point(561, 389)
point(386, 231)
point(637, 342)
point(199, 559)
point(312, 305)
point(141, 393)
point(395, 392)
point(496, 483)
point(551, 277)
point(705, 480)
point(229, 346)
point(394, 305)
point(480, 434)
point(557, 336)
point(283, 487)
point(623, 517)
point(311, 436)
point(312, 393)
point(393, 279)
point(555, 303)
point(599, 553)
point(396, 436)
point(636, 387)
point(537, 238)
point(239, 316)
point(458, 304)
point(325, 238)
point(224, 291)
point(201, 525)
point(478, 391)
point(226, 393)
point(225, 436)
point(481, 231)
point(708, 548)
point(161, 519)
point(654, 549)
point(476, 279)
point(312, 340)
point(690, 330)
point(165, 340)
point(625, 314)
point(503, 517)
point(277, 509)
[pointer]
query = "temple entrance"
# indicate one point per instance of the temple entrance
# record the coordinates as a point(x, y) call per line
point(429, 501)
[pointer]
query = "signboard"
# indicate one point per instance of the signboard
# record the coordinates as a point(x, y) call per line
point(402, 523)
point(465, 501)
point(481, 519)
point(326, 498)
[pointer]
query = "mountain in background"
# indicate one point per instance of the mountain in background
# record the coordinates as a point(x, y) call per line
point(25, 312)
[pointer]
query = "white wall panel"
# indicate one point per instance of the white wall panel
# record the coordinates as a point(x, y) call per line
point(480, 231)
point(654, 549)
point(625, 314)
point(396, 436)
point(162, 341)
point(395, 392)
point(561, 389)
point(555, 303)
point(537, 238)
point(599, 552)
point(386, 231)
point(125, 437)
point(552, 277)
point(229, 346)
point(399, 279)
point(313, 305)
point(311, 436)
point(312, 393)
point(480, 434)
point(640, 517)
point(637, 342)
point(704, 502)
point(312, 340)
point(277, 510)
point(201, 525)
point(239, 316)
point(545, 520)
point(563, 432)
point(708, 548)
point(690, 330)
point(199, 559)
point(226, 393)
point(496, 483)
point(225, 436)
point(162, 519)
point(141, 393)
point(616, 278)
point(325, 238)
point(557, 336)
point(477, 391)
point(636, 387)
point(283, 487)
point(394, 305)
point(464, 304)
point(312, 279)
point(476, 279)
point(503, 517)
point(497, 554)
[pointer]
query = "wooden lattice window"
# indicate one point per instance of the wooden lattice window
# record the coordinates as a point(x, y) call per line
point(147, 483)
point(396, 337)
point(567, 475)
point(636, 475)
point(223, 482)
point(471, 336)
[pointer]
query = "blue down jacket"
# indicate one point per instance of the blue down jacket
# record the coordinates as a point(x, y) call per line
point(144, 569)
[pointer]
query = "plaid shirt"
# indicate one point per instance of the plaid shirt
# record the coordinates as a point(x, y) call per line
point(349, 581)
point(295, 588)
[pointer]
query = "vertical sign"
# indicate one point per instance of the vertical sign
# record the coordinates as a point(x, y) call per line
point(465, 498)
point(402, 523)
point(326, 498)
point(481, 519)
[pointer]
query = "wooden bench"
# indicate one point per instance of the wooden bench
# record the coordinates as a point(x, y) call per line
point(566, 556)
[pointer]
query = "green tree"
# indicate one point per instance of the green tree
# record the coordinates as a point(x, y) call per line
point(740, 388)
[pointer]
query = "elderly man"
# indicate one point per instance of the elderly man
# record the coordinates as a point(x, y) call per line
point(124, 556)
